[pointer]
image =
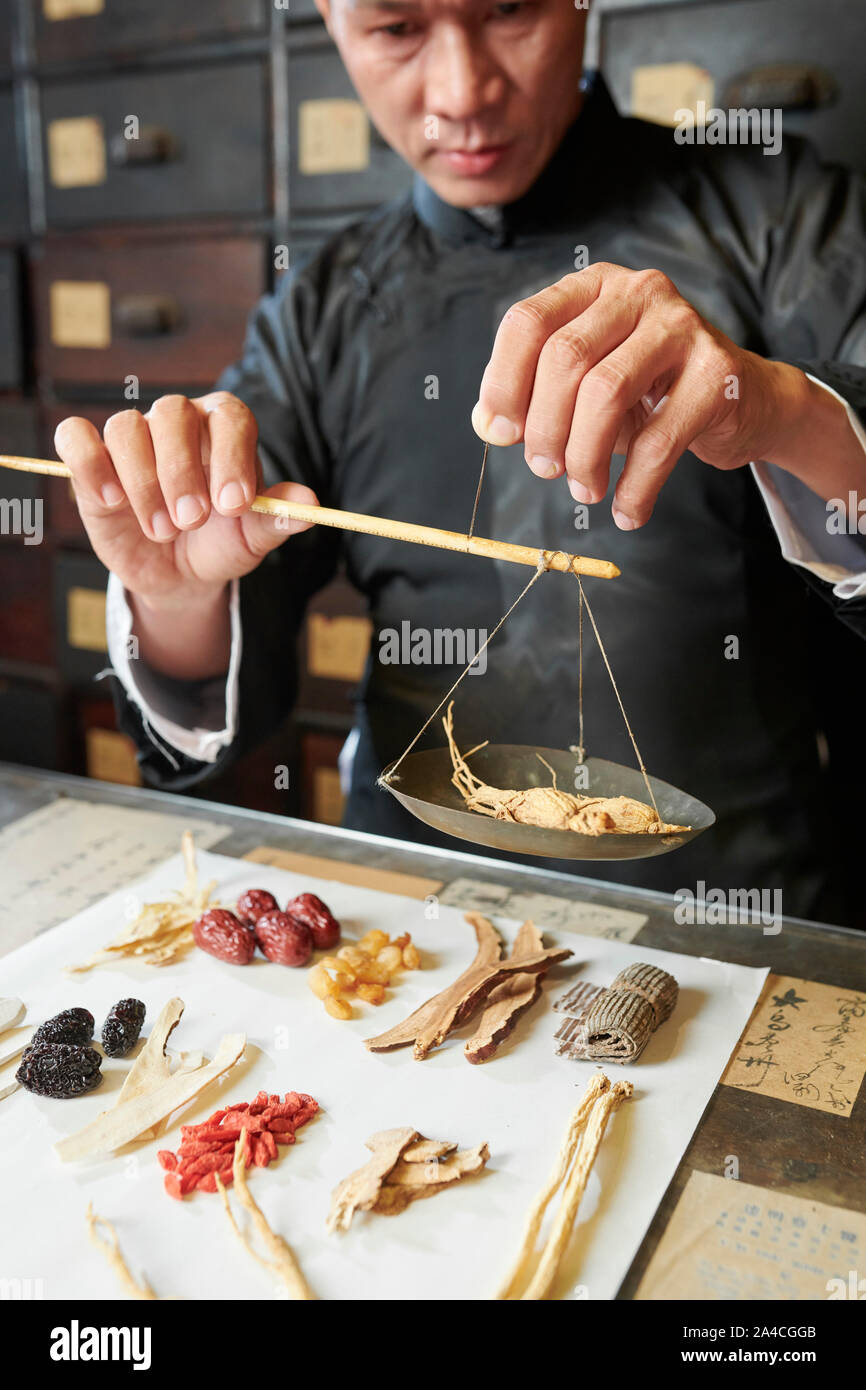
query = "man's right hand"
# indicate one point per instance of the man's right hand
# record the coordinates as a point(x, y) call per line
point(165, 500)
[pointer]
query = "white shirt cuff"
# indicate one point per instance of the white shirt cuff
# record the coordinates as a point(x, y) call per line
point(204, 745)
point(799, 517)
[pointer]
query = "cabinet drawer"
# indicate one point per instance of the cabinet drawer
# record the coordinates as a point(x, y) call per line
point(322, 797)
point(79, 617)
point(11, 355)
point(335, 641)
point(70, 30)
point(201, 147)
point(26, 629)
point(731, 38)
point(13, 202)
point(170, 313)
point(22, 495)
point(29, 725)
point(337, 159)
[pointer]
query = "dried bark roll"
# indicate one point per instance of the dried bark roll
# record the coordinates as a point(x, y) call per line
point(656, 986)
point(617, 1024)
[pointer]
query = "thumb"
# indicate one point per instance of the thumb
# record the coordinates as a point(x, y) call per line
point(264, 533)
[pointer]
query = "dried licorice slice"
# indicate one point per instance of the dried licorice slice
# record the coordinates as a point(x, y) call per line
point(121, 1029)
point(73, 1026)
point(59, 1070)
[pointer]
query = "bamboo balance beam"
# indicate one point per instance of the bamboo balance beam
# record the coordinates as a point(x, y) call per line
point(383, 526)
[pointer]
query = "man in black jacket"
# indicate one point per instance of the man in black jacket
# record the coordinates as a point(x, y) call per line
point(712, 339)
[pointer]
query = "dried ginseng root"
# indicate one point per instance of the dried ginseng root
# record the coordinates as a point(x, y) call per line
point(108, 1245)
point(282, 1265)
point(548, 807)
point(571, 1171)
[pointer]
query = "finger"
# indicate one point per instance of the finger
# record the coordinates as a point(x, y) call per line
point(656, 447)
point(605, 398)
point(79, 445)
point(506, 386)
point(233, 436)
point(264, 533)
point(175, 432)
point(128, 440)
point(563, 362)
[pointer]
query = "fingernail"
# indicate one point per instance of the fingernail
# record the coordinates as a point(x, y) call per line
point(497, 429)
point(112, 494)
point(624, 522)
point(188, 509)
point(579, 492)
point(231, 496)
point(161, 526)
point(542, 467)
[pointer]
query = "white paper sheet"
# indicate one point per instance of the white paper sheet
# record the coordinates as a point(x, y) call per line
point(61, 858)
point(457, 1245)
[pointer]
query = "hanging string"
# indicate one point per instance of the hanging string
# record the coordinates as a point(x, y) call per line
point(542, 567)
point(580, 747)
point(618, 698)
point(478, 490)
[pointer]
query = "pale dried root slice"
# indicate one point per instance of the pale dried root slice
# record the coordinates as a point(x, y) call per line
point(596, 1087)
point(358, 1192)
point(283, 1264)
point(129, 1121)
point(11, 1013)
point(439, 1173)
point(108, 1246)
point(161, 932)
point(548, 807)
point(427, 1149)
point(563, 1223)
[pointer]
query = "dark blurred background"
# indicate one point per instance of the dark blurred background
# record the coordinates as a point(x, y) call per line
point(128, 267)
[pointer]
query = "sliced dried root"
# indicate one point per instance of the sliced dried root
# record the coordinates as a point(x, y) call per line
point(161, 932)
point(282, 1264)
point(110, 1248)
point(404, 1168)
point(577, 1153)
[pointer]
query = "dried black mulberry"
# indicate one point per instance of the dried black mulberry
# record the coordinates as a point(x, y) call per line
point(61, 1070)
point(121, 1029)
point(73, 1026)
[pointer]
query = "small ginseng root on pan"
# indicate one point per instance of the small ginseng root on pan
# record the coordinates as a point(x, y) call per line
point(549, 807)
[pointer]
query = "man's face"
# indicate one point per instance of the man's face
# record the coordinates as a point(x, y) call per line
point(475, 95)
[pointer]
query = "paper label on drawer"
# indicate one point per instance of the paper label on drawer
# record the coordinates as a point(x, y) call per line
point(85, 619)
point(76, 152)
point(660, 90)
point(337, 647)
point(111, 757)
point(80, 314)
point(71, 9)
point(328, 796)
point(732, 1240)
point(805, 1043)
point(333, 137)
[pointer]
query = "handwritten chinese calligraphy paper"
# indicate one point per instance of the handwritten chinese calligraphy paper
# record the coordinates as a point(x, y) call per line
point(805, 1043)
point(558, 914)
point(729, 1239)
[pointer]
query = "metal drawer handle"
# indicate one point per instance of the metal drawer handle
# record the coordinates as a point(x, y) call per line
point(154, 145)
point(791, 86)
point(146, 315)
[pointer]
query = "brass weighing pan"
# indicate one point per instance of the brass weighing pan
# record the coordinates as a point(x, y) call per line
point(423, 785)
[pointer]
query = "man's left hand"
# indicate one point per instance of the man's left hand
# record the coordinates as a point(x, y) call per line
point(614, 361)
